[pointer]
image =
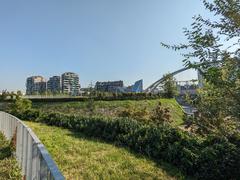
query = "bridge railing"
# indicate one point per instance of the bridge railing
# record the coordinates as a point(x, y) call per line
point(32, 157)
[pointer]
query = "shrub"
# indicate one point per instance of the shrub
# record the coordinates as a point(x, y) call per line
point(140, 114)
point(20, 106)
point(213, 158)
point(161, 115)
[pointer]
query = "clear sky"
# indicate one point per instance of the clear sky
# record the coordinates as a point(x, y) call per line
point(98, 39)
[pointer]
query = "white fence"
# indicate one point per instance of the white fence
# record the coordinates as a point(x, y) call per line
point(33, 158)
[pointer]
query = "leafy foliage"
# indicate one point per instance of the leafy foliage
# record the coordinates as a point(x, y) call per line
point(206, 37)
point(169, 86)
point(215, 44)
point(161, 115)
point(140, 114)
point(102, 96)
point(139, 110)
point(194, 156)
point(8, 165)
point(93, 159)
point(20, 105)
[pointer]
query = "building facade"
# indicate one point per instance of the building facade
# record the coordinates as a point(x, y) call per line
point(187, 87)
point(137, 87)
point(54, 85)
point(36, 85)
point(110, 86)
point(70, 84)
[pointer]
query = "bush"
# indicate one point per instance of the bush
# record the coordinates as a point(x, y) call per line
point(140, 114)
point(219, 159)
point(213, 158)
point(161, 115)
point(20, 106)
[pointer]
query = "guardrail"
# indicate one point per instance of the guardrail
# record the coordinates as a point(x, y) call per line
point(33, 158)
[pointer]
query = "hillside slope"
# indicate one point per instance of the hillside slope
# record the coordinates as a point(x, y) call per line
point(79, 157)
point(112, 108)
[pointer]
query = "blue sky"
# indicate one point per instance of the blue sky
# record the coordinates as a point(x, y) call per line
point(98, 39)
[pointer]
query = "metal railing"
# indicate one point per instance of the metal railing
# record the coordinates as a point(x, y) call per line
point(33, 158)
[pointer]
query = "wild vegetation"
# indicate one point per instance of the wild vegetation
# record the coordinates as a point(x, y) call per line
point(213, 151)
point(169, 86)
point(80, 157)
point(8, 165)
point(215, 43)
point(141, 110)
point(213, 157)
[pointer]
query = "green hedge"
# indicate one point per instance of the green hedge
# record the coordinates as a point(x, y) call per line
point(113, 97)
point(213, 158)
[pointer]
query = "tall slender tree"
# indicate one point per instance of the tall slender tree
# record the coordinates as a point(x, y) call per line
point(169, 86)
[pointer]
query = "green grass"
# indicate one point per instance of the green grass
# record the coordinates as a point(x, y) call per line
point(8, 164)
point(79, 157)
point(112, 108)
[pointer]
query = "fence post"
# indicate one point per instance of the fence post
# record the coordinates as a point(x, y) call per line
point(35, 162)
point(24, 153)
point(29, 157)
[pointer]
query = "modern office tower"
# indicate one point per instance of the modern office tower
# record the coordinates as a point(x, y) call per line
point(137, 87)
point(36, 85)
point(70, 84)
point(110, 86)
point(54, 85)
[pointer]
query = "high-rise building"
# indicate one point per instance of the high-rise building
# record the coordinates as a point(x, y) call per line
point(70, 84)
point(110, 86)
point(54, 84)
point(36, 85)
point(137, 87)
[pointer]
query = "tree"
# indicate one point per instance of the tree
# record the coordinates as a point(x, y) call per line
point(20, 105)
point(215, 44)
point(19, 93)
point(5, 94)
point(169, 86)
point(90, 103)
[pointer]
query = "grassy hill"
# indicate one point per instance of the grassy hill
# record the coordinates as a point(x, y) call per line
point(112, 108)
point(79, 157)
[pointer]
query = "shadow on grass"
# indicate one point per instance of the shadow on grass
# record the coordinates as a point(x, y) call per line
point(5, 152)
point(5, 149)
point(168, 168)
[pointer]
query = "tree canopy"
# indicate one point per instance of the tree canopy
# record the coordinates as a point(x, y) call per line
point(216, 40)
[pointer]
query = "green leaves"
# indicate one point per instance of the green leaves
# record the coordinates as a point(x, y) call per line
point(212, 158)
point(169, 86)
point(214, 43)
point(8, 164)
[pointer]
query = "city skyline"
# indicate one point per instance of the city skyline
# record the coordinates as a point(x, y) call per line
point(54, 83)
point(100, 41)
point(68, 84)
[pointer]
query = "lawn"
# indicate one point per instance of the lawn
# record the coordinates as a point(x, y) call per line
point(79, 157)
point(8, 165)
point(112, 108)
